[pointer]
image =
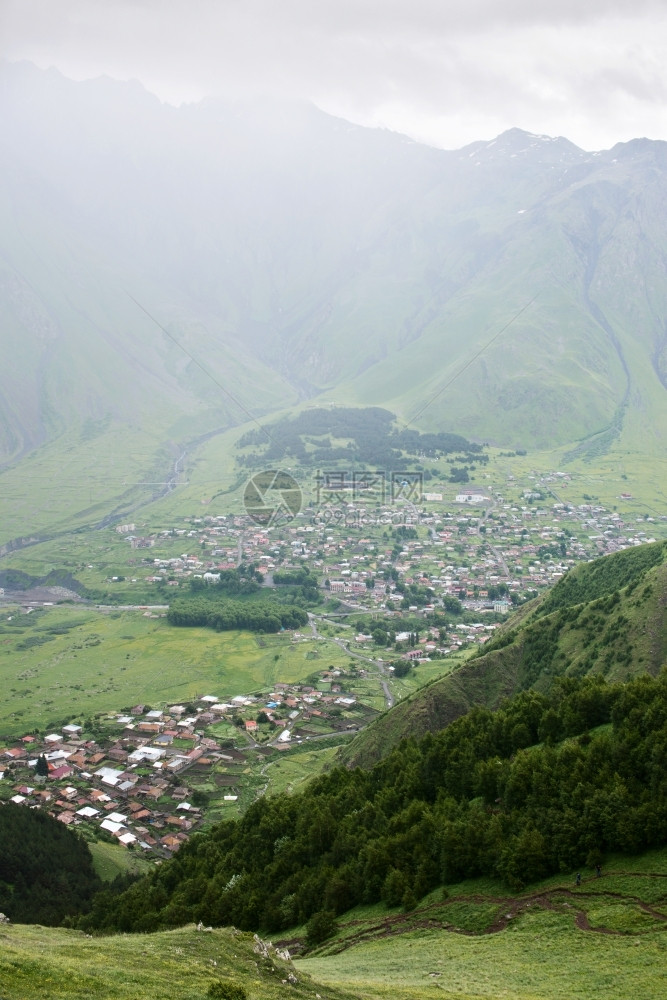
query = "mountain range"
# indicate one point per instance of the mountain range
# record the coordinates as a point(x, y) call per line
point(169, 272)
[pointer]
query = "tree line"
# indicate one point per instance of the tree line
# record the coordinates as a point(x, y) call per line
point(226, 615)
point(370, 436)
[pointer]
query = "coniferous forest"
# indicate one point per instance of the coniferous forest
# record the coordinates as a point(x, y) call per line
point(545, 784)
point(46, 870)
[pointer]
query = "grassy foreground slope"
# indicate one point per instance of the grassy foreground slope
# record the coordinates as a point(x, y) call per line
point(603, 939)
point(554, 941)
point(543, 957)
point(53, 964)
point(605, 617)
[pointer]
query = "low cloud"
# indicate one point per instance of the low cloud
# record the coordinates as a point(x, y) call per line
point(594, 72)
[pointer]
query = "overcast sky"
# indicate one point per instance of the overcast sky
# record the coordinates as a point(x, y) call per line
point(444, 71)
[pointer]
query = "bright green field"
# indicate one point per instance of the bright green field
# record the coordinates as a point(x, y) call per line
point(110, 860)
point(293, 769)
point(78, 479)
point(108, 661)
point(424, 673)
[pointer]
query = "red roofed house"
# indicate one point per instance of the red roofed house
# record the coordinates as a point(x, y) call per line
point(60, 772)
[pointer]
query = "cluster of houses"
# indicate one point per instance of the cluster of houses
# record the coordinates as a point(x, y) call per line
point(482, 561)
point(469, 545)
point(435, 640)
point(135, 786)
point(136, 778)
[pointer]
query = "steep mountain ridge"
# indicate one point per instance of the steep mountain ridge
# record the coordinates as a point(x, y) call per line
point(603, 618)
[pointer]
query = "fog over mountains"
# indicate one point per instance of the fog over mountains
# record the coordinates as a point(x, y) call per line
point(513, 291)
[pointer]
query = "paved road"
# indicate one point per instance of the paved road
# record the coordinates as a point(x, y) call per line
point(381, 667)
point(130, 607)
point(496, 551)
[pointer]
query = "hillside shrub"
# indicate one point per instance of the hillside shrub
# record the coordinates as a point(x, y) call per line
point(227, 990)
point(322, 925)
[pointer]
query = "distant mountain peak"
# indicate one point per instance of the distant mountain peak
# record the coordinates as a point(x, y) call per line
point(516, 141)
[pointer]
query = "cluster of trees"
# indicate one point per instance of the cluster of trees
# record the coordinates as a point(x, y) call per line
point(557, 550)
point(46, 870)
point(241, 581)
point(302, 583)
point(405, 531)
point(459, 475)
point(543, 784)
point(370, 436)
point(409, 623)
point(414, 593)
point(402, 668)
point(223, 616)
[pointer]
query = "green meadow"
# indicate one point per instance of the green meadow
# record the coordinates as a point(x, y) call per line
point(291, 770)
point(541, 956)
point(75, 481)
point(110, 860)
point(70, 662)
point(424, 673)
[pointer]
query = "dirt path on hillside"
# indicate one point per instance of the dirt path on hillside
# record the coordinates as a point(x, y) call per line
point(558, 900)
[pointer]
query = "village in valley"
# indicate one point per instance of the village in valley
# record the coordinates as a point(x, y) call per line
point(140, 778)
point(420, 579)
point(487, 548)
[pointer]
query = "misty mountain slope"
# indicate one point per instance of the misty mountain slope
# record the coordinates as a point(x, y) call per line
point(291, 254)
point(582, 358)
point(72, 251)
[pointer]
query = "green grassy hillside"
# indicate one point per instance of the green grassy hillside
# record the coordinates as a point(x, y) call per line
point(606, 617)
point(41, 964)
point(556, 941)
point(553, 941)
